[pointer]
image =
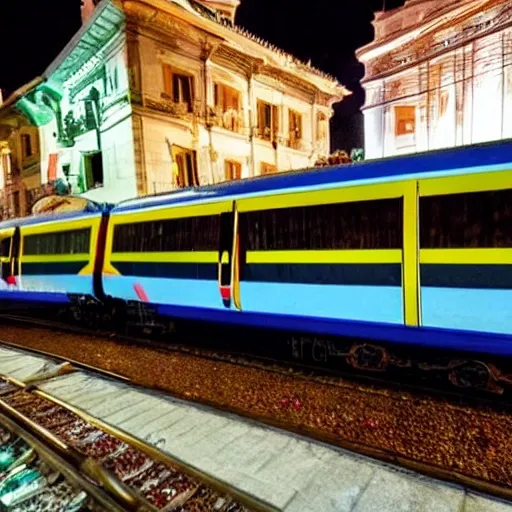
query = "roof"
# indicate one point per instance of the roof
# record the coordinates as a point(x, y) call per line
point(478, 158)
point(211, 14)
point(105, 22)
point(421, 21)
point(41, 219)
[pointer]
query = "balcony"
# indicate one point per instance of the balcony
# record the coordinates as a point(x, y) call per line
point(294, 143)
point(265, 133)
point(180, 110)
point(231, 119)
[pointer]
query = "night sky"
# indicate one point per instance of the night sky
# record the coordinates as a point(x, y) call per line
point(32, 33)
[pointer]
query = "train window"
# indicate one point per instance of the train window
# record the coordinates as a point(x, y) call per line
point(476, 219)
point(358, 225)
point(5, 246)
point(62, 242)
point(184, 234)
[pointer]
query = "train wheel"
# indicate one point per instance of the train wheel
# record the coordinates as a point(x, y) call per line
point(474, 374)
point(368, 357)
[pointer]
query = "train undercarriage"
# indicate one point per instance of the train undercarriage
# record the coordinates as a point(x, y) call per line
point(332, 355)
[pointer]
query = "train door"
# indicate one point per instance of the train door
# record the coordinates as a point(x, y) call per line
point(228, 260)
point(9, 241)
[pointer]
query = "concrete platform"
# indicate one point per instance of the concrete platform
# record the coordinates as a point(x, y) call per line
point(290, 472)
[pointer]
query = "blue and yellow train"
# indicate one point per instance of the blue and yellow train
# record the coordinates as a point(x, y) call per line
point(413, 251)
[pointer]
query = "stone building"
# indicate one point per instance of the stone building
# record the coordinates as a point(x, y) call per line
point(438, 74)
point(154, 95)
point(20, 161)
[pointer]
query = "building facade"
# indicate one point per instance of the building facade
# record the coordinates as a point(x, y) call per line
point(20, 170)
point(151, 96)
point(438, 74)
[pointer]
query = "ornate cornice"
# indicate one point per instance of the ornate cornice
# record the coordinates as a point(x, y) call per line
point(233, 60)
point(233, 36)
point(98, 73)
point(143, 16)
point(452, 35)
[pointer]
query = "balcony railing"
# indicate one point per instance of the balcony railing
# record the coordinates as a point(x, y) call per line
point(265, 133)
point(231, 119)
point(181, 110)
point(294, 143)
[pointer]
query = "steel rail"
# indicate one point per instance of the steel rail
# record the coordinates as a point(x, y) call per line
point(56, 461)
point(96, 471)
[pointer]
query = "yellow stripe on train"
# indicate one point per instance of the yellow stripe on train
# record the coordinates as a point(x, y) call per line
point(175, 211)
point(326, 256)
point(466, 183)
point(343, 193)
point(55, 258)
point(468, 256)
point(167, 257)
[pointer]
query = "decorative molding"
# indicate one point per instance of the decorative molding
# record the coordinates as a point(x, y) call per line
point(477, 24)
point(97, 73)
point(151, 19)
point(235, 61)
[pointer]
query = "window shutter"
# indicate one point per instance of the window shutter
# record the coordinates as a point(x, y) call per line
point(166, 70)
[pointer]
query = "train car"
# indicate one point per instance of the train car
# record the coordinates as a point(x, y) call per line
point(415, 250)
point(51, 259)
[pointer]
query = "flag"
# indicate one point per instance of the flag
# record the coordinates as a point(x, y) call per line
point(174, 165)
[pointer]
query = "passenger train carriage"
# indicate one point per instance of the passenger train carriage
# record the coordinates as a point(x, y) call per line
point(414, 251)
point(50, 259)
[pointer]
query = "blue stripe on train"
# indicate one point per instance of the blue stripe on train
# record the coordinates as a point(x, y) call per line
point(426, 337)
point(40, 297)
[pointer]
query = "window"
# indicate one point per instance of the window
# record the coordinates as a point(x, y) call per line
point(76, 241)
point(405, 120)
point(476, 219)
point(187, 167)
point(362, 225)
point(321, 127)
point(90, 115)
point(179, 87)
point(185, 234)
point(227, 98)
point(233, 170)
point(26, 145)
point(268, 169)
point(294, 129)
point(5, 266)
point(93, 170)
point(268, 122)
point(5, 247)
point(228, 103)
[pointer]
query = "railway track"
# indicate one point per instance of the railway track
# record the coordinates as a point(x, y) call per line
point(472, 398)
point(39, 476)
point(135, 476)
point(431, 470)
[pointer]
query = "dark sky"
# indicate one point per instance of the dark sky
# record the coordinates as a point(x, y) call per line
point(32, 33)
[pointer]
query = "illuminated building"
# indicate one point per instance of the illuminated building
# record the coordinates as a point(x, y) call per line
point(152, 95)
point(438, 74)
point(20, 169)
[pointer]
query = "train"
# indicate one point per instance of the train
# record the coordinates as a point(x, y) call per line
point(363, 263)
